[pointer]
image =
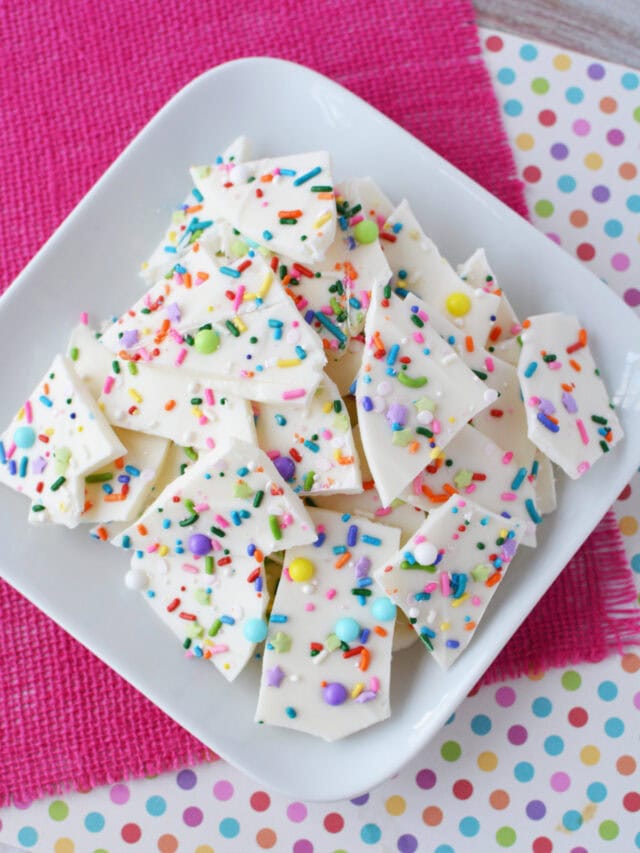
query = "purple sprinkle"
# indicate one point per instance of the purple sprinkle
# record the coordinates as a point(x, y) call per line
point(310, 316)
point(129, 338)
point(568, 401)
point(286, 467)
point(352, 536)
point(173, 312)
point(362, 567)
point(366, 696)
point(367, 404)
point(397, 414)
point(38, 465)
point(546, 407)
point(508, 549)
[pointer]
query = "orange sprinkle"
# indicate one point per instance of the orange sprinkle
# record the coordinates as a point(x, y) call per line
point(365, 657)
point(575, 365)
point(326, 196)
point(469, 626)
point(495, 333)
point(203, 276)
point(566, 387)
point(187, 281)
point(345, 460)
point(142, 530)
point(448, 488)
point(119, 463)
point(169, 405)
point(286, 280)
point(266, 179)
point(350, 271)
point(115, 498)
point(582, 337)
point(380, 631)
point(553, 419)
point(258, 555)
point(468, 342)
point(493, 579)
point(434, 498)
point(194, 208)
point(342, 559)
point(526, 324)
point(414, 447)
point(102, 533)
point(367, 485)
point(289, 214)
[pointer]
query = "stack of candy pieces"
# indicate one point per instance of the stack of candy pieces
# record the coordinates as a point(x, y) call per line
point(313, 432)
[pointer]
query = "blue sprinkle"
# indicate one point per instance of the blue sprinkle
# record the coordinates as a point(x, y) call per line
point(397, 227)
point(291, 712)
point(301, 353)
point(242, 472)
point(267, 235)
point(544, 420)
point(12, 467)
point(227, 620)
point(3, 455)
point(531, 369)
point(320, 540)
point(355, 303)
point(452, 644)
point(107, 489)
point(274, 324)
point(352, 536)
point(371, 540)
point(393, 354)
point(367, 404)
point(278, 617)
point(251, 549)
point(364, 635)
point(126, 541)
point(533, 512)
point(133, 472)
point(23, 466)
point(422, 596)
point(301, 179)
point(45, 401)
point(312, 446)
point(290, 173)
point(335, 331)
point(180, 269)
point(197, 194)
point(235, 518)
point(124, 478)
point(230, 271)
point(364, 582)
point(339, 549)
point(166, 523)
point(427, 632)
point(519, 479)
point(197, 651)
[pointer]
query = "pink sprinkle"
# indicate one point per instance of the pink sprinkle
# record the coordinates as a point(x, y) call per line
point(187, 567)
point(287, 520)
point(417, 486)
point(583, 431)
point(365, 298)
point(420, 538)
point(294, 394)
point(418, 337)
point(435, 427)
point(331, 593)
point(210, 443)
point(508, 456)
point(327, 434)
point(209, 397)
point(470, 489)
point(221, 521)
point(515, 329)
point(177, 337)
point(476, 600)
point(380, 220)
point(309, 607)
point(326, 309)
point(554, 365)
point(355, 219)
point(431, 587)
point(374, 683)
point(488, 363)
point(285, 572)
point(181, 356)
point(333, 344)
point(533, 401)
point(108, 384)
point(383, 511)
point(202, 507)
point(203, 420)
point(28, 411)
point(295, 323)
point(423, 316)
point(11, 450)
point(218, 648)
point(583, 467)
point(445, 585)
point(152, 548)
point(462, 503)
point(84, 318)
point(215, 544)
point(238, 299)
point(273, 454)
point(302, 303)
point(508, 496)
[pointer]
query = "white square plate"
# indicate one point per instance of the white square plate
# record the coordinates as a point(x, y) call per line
point(91, 264)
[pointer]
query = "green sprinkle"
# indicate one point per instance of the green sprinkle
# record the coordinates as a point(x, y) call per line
point(234, 331)
point(196, 401)
point(74, 353)
point(405, 564)
point(133, 368)
point(257, 499)
point(213, 630)
point(417, 321)
point(37, 508)
point(186, 522)
point(218, 531)
point(288, 220)
point(412, 382)
point(208, 564)
point(307, 483)
point(598, 419)
point(99, 478)
point(361, 591)
point(321, 188)
point(190, 453)
point(424, 431)
point(57, 483)
point(116, 366)
point(426, 641)
point(274, 526)
point(187, 643)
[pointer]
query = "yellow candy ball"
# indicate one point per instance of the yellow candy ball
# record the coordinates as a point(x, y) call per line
point(458, 304)
point(301, 570)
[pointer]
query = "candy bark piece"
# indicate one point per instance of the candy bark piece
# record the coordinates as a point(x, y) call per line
point(312, 448)
point(344, 371)
point(328, 653)
point(216, 612)
point(365, 192)
point(478, 274)
point(232, 499)
point(414, 393)
point(188, 223)
point(119, 491)
point(569, 415)
point(544, 483)
point(418, 266)
point(284, 203)
point(446, 575)
point(508, 350)
point(162, 401)
point(473, 466)
point(234, 325)
point(367, 503)
point(55, 438)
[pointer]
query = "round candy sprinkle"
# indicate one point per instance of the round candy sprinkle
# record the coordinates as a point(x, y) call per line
point(366, 231)
point(255, 630)
point(199, 544)
point(458, 304)
point(206, 341)
point(286, 467)
point(301, 570)
point(383, 609)
point(334, 693)
point(347, 629)
point(136, 579)
point(24, 437)
point(425, 553)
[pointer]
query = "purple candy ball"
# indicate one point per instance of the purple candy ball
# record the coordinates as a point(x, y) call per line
point(286, 467)
point(334, 693)
point(397, 414)
point(199, 544)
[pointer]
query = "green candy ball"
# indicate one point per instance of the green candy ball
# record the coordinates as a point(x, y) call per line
point(207, 341)
point(366, 231)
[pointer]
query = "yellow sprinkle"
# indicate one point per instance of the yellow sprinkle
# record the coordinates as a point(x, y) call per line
point(134, 395)
point(227, 666)
point(80, 429)
point(456, 602)
point(49, 431)
point(504, 533)
point(434, 452)
point(444, 626)
point(196, 412)
point(240, 326)
point(163, 550)
point(288, 362)
point(20, 414)
point(452, 420)
point(357, 690)
point(326, 408)
point(266, 284)
point(320, 221)
point(172, 236)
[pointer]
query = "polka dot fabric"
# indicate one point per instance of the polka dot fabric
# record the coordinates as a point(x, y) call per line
point(543, 764)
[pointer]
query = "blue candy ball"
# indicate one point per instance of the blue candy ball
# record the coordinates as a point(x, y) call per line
point(347, 629)
point(255, 630)
point(383, 609)
point(24, 437)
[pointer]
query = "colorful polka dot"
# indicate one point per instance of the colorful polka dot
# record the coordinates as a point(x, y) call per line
point(396, 805)
point(481, 724)
point(542, 706)
point(119, 794)
point(560, 781)
point(559, 151)
point(371, 833)
point(131, 833)
point(186, 780)
point(229, 827)
point(27, 836)
point(432, 815)
point(469, 827)
point(614, 727)
point(487, 761)
point(562, 62)
point(608, 830)
point(629, 80)
point(597, 792)
point(94, 822)
point(525, 141)
point(574, 95)
point(512, 107)
point(156, 806)
point(566, 183)
point(450, 750)
point(528, 52)
point(540, 85)
point(223, 790)
point(524, 771)
point(571, 680)
point(505, 696)
point(58, 810)
point(506, 836)
point(553, 745)
point(506, 76)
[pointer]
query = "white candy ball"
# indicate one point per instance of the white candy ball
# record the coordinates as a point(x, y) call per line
point(136, 579)
point(425, 553)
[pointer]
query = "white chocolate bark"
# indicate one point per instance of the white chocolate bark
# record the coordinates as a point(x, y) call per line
point(119, 491)
point(365, 192)
point(166, 402)
point(233, 498)
point(544, 483)
point(508, 350)
point(327, 659)
point(312, 448)
point(209, 609)
point(478, 274)
point(419, 267)
point(446, 575)
point(569, 414)
point(414, 393)
point(232, 324)
point(285, 203)
point(473, 466)
point(57, 437)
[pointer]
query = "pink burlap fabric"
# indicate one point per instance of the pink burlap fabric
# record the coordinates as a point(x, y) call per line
point(79, 81)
